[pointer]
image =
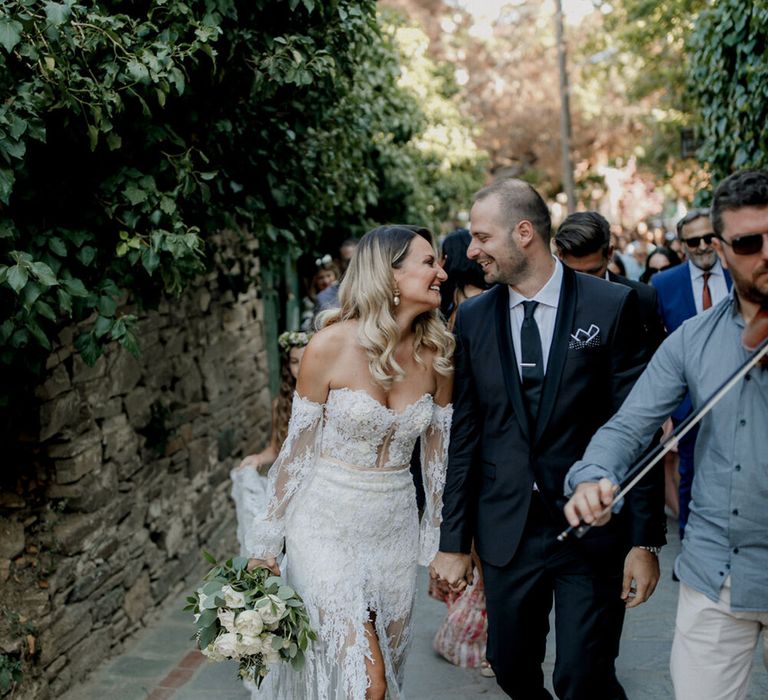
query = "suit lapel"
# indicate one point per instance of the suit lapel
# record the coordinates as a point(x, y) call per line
point(686, 290)
point(508, 359)
point(566, 312)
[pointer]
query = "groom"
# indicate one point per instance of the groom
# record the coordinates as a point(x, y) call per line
point(542, 361)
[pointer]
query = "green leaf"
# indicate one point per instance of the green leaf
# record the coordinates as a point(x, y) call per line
point(107, 306)
point(210, 558)
point(285, 592)
point(38, 334)
point(86, 254)
point(32, 290)
point(102, 326)
point(207, 636)
point(114, 142)
point(88, 347)
point(57, 12)
point(297, 662)
point(10, 33)
point(7, 178)
point(130, 343)
point(135, 195)
point(44, 274)
point(17, 277)
point(57, 246)
point(45, 310)
point(137, 71)
point(75, 287)
point(65, 301)
point(207, 617)
point(168, 205)
point(7, 229)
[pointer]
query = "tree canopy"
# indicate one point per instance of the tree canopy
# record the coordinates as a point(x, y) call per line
point(131, 132)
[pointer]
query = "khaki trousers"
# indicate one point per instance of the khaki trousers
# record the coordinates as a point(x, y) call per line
point(713, 647)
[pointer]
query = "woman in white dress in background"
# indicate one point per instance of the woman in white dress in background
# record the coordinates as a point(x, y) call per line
point(249, 479)
point(372, 381)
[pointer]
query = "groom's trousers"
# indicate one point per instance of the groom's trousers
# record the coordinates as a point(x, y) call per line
point(589, 614)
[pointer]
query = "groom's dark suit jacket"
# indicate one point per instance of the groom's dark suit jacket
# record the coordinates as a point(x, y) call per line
point(495, 456)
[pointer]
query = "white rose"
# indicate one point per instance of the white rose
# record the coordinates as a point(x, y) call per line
point(250, 644)
point(249, 622)
point(227, 619)
point(233, 598)
point(226, 645)
point(211, 653)
point(272, 611)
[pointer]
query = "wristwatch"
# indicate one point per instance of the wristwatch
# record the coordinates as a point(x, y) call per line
point(653, 550)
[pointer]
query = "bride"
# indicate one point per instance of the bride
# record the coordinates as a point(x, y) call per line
point(372, 381)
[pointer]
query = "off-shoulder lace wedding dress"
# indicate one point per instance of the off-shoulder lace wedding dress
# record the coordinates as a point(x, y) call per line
point(342, 498)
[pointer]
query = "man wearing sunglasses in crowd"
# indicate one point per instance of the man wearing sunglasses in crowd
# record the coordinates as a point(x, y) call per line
point(684, 291)
point(723, 600)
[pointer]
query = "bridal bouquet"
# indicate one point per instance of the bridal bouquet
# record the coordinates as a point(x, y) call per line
point(253, 617)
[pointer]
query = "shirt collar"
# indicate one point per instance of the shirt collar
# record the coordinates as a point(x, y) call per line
point(697, 272)
point(548, 295)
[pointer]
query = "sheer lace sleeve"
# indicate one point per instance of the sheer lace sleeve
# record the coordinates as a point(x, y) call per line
point(290, 470)
point(434, 459)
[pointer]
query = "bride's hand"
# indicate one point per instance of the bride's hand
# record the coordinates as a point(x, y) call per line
point(270, 564)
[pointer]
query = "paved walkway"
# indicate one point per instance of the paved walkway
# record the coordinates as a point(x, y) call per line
point(162, 663)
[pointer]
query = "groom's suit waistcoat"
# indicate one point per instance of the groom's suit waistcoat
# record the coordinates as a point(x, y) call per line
point(495, 454)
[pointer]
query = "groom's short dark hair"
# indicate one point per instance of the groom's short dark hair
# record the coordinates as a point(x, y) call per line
point(518, 201)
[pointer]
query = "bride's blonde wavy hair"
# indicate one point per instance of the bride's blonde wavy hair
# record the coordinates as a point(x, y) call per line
point(366, 294)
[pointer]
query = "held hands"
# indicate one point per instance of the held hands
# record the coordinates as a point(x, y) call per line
point(455, 568)
point(270, 564)
point(588, 502)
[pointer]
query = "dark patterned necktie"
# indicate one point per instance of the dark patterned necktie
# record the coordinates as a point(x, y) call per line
point(532, 361)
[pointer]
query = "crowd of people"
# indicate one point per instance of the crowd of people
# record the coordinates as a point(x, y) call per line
point(515, 379)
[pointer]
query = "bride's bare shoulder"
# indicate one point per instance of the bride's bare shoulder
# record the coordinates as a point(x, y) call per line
point(332, 339)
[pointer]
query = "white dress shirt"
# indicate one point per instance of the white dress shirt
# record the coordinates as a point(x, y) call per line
point(718, 289)
point(545, 314)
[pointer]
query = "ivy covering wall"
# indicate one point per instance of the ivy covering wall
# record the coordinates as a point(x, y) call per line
point(132, 131)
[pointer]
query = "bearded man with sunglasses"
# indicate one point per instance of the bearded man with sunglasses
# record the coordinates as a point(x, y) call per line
point(684, 291)
point(723, 601)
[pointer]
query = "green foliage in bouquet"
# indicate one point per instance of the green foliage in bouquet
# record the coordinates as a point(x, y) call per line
point(253, 617)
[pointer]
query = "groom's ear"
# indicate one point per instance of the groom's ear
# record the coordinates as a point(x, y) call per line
point(525, 231)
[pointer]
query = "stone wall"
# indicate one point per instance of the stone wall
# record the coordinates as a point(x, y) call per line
point(128, 480)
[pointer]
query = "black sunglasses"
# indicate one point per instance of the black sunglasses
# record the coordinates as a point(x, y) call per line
point(748, 244)
point(693, 241)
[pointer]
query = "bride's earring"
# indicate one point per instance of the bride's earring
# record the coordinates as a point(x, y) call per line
point(396, 296)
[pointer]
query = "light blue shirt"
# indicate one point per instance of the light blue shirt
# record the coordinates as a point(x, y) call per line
point(727, 531)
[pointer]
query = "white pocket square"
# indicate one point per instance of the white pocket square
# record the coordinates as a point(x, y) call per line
point(589, 338)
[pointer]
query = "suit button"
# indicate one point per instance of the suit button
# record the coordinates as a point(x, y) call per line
point(738, 467)
point(735, 550)
point(735, 511)
point(742, 422)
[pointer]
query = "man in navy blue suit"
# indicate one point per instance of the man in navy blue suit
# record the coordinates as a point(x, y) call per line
point(684, 291)
point(542, 359)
